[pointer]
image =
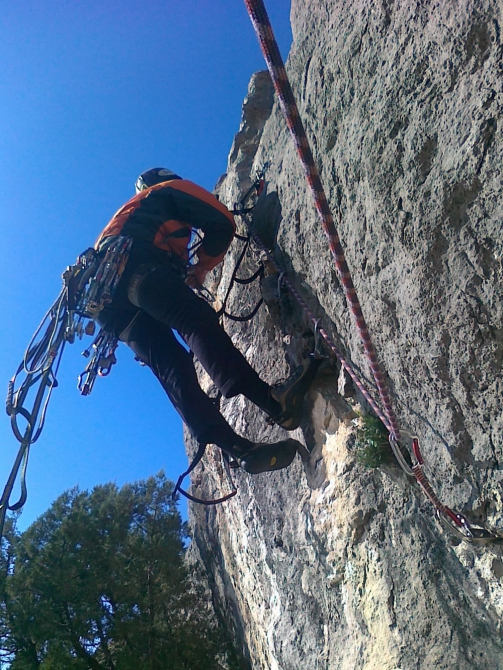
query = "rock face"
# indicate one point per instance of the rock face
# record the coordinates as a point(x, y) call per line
point(328, 564)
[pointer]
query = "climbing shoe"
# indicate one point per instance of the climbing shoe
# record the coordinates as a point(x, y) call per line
point(290, 393)
point(269, 457)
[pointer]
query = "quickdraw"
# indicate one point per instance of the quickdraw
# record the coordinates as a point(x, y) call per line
point(454, 521)
point(88, 286)
point(241, 209)
point(237, 280)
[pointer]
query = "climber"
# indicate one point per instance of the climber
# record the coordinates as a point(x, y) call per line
point(154, 297)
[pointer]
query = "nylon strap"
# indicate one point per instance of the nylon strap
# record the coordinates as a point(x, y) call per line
point(236, 280)
point(195, 461)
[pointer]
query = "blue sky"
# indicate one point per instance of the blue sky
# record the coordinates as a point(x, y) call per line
point(92, 94)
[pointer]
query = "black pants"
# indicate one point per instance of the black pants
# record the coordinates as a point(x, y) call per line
point(166, 303)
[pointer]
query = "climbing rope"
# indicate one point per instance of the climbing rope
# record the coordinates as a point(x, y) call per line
point(286, 98)
point(263, 29)
point(454, 521)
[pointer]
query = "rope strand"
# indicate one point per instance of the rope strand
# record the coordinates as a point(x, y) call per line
point(268, 44)
point(269, 47)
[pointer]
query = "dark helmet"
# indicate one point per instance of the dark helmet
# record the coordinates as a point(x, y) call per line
point(153, 177)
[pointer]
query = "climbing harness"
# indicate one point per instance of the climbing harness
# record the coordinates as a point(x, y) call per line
point(412, 465)
point(87, 287)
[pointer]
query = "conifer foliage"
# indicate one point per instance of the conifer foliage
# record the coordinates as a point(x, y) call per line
point(99, 582)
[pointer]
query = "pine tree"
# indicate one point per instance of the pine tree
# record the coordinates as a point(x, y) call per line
point(99, 582)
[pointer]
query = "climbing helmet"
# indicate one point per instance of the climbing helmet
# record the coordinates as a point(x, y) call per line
point(153, 177)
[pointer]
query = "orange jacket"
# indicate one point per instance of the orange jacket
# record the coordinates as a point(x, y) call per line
point(163, 216)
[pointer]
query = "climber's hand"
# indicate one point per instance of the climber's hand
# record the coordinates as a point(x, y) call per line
point(196, 276)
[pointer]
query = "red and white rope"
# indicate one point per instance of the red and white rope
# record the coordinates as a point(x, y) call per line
point(270, 50)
